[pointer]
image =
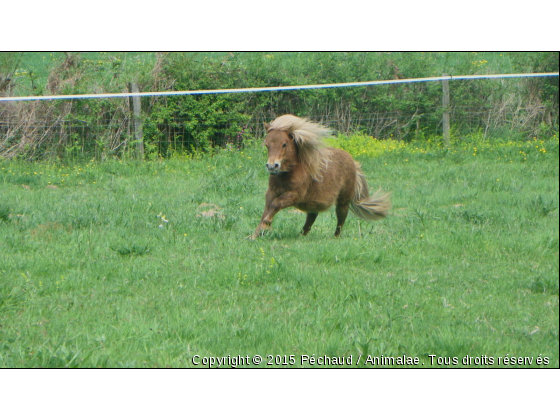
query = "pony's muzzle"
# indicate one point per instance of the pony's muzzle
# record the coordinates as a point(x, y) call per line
point(273, 168)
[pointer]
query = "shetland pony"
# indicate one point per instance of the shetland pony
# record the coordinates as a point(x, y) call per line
point(308, 175)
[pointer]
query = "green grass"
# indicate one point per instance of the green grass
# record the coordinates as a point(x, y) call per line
point(113, 70)
point(127, 264)
point(34, 68)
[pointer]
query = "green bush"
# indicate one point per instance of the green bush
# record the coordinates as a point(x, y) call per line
point(102, 128)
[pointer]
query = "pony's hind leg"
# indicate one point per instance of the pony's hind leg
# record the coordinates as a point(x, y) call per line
point(341, 214)
point(308, 223)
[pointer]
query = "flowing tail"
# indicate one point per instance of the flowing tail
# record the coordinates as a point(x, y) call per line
point(366, 207)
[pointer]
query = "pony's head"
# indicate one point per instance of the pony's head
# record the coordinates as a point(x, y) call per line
point(282, 152)
point(292, 140)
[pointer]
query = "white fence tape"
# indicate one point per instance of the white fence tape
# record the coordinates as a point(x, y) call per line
point(275, 88)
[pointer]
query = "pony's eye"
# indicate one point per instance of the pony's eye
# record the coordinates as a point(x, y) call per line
point(284, 145)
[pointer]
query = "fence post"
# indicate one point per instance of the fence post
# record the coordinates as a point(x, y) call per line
point(137, 121)
point(446, 133)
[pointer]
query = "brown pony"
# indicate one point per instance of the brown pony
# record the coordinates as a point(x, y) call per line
point(306, 174)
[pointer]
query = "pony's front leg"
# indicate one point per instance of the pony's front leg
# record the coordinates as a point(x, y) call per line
point(273, 206)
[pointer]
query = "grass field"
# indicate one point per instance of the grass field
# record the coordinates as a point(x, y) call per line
point(128, 264)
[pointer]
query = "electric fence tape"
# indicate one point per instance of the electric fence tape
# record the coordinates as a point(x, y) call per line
point(272, 89)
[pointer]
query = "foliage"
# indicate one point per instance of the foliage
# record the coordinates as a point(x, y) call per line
point(362, 145)
point(9, 62)
point(194, 123)
point(508, 108)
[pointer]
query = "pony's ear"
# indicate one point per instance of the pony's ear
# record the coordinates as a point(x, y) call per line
point(296, 139)
point(266, 127)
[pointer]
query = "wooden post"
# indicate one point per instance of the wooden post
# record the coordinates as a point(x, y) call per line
point(446, 133)
point(137, 121)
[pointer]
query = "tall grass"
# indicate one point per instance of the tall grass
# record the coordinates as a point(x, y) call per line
point(128, 264)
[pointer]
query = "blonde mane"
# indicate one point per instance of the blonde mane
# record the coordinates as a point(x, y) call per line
point(308, 136)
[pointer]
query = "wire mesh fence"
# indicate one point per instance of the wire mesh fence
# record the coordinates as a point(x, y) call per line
point(105, 128)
